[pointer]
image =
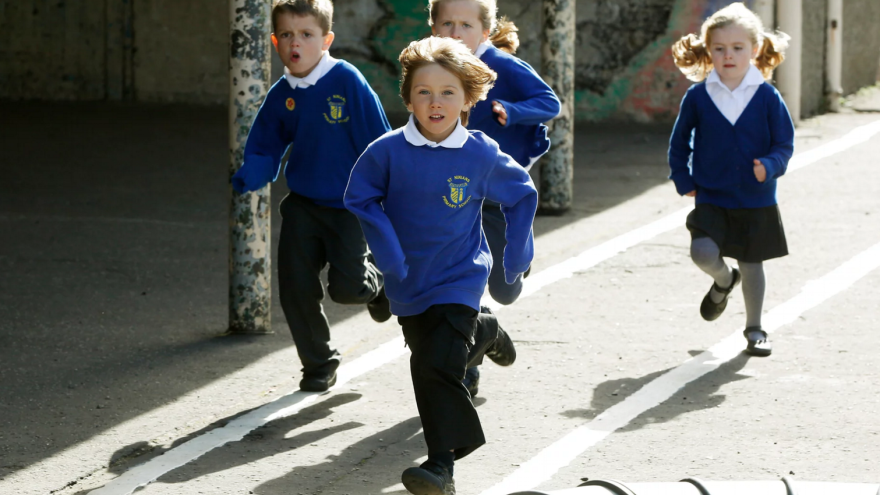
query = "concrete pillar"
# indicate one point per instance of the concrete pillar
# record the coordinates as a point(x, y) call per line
point(250, 232)
point(789, 19)
point(557, 54)
point(834, 55)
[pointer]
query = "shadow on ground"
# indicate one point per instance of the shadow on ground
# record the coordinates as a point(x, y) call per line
point(113, 294)
point(697, 395)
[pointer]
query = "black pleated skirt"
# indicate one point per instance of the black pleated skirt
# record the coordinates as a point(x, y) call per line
point(751, 235)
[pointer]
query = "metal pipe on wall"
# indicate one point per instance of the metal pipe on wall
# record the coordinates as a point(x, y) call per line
point(834, 55)
point(250, 232)
point(789, 19)
point(557, 68)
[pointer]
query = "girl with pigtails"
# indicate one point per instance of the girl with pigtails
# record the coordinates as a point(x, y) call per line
point(731, 142)
point(513, 114)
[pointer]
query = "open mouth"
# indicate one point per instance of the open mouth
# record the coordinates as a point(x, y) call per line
point(436, 118)
point(294, 57)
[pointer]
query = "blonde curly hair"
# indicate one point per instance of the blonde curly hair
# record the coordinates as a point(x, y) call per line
point(691, 52)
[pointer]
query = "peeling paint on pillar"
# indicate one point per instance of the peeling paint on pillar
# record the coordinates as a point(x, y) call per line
point(558, 70)
point(250, 232)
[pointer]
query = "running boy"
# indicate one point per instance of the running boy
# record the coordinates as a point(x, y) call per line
point(512, 114)
point(742, 139)
point(418, 192)
point(326, 113)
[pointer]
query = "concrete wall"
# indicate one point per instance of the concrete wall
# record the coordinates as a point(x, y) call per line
point(168, 50)
point(53, 50)
point(181, 50)
point(861, 39)
point(815, 16)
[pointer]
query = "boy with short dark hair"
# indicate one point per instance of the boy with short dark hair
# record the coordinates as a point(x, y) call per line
point(326, 113)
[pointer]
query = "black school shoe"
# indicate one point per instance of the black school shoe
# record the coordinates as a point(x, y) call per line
point(472, 380)
point(759, 343)
point(380, 307)
point(433, 481)
point(711, 310)
point(502, 351)
point(317, 382)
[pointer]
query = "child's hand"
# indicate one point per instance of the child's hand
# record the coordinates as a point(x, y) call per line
point(692, 194)
point(498, 108)
point(760, 171)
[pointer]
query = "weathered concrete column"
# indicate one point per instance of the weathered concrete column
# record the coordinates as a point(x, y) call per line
point(250, 232)
point(834, 55)
point(789, 19)
point(557, 68)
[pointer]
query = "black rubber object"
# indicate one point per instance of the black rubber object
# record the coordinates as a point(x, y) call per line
point(789, 485)
point(615, 486)
point(697, 483)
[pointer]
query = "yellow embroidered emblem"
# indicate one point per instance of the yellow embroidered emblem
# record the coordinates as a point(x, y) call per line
point(290, 104)
point(457, 192)
point(337, 110)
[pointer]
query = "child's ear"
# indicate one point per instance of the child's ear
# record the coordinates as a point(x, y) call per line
point(328, 40)
point(275, 42)
point(409, 107)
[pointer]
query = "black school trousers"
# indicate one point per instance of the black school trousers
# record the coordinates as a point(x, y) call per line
point(445, 340)
point(312, 237)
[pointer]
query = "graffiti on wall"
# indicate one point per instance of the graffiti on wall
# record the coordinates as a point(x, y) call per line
point(624, 66)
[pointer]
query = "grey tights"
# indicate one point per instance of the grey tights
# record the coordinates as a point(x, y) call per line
point(707, 256)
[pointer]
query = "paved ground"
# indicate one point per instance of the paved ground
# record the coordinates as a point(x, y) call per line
point(113, 312)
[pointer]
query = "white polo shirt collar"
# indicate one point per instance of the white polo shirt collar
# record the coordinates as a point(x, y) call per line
point(457, 139)
point(482, 48)
point(324, 65)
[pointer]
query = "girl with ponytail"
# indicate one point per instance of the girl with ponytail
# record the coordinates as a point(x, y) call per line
point(731, 142)
point(513, 114)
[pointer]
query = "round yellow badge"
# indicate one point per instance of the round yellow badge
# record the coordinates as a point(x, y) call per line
point(290, 104)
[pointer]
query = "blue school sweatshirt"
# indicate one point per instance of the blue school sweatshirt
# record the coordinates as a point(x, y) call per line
point(421, 211)
point(529, 103)
point(714, 157)
point(327, 125)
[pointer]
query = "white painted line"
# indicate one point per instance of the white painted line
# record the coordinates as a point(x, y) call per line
point(561, 453)
point(534, 283)
point(856, 136)
point(236, 429)
point(596, 255)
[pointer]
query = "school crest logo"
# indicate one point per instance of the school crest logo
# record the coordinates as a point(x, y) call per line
point(290, 104)
point(337, 113)
point(458, 196)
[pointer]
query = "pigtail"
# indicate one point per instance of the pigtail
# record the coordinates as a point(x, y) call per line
point(692, 57)
point(771, 53)
point(505, 37)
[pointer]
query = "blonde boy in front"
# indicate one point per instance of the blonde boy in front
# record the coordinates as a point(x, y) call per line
point(419, 192)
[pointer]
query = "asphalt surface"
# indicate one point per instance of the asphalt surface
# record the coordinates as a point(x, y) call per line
point(113, 315)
